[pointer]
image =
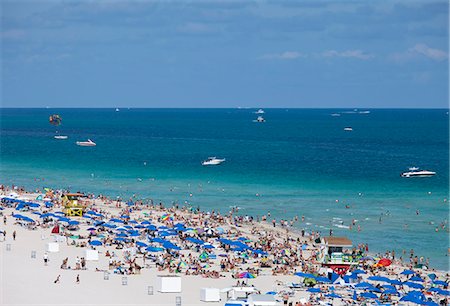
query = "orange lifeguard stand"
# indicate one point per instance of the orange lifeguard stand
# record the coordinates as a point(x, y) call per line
point(73, 207)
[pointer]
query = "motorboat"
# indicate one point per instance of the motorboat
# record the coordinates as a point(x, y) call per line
point(416, 172)
point(60, 137)
point(348, 129)
point(260, 111)
point(88, 143)
point(117, 110)
point(211, 161)
point(260, 119)
point(335, 115)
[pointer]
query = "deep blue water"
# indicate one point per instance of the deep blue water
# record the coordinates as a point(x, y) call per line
point(300, 161)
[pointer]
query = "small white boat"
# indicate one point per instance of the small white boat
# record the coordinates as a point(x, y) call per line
point(60, 137)
point(348, 129)
point(364, 112)
point(88, 143)
point(260, 111)
point(260, 119)
point(117, 109)
point(416, 172)
point(212, 161)
point(335, 115)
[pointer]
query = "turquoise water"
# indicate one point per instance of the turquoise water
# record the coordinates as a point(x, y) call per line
point(300, 161)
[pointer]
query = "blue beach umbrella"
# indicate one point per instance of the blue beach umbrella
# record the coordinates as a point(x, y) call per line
point(395, 282)
point(208, 246)
point(416, 279)
point(116, 220)
point(413, 285)
point(333, 295)
point(314, 290)
point(440, 282)
point(95, 242)
point(305, 275)
point(271, 292)
point(359, 271)
point(364, 285)
point(73, 222)
point(141, 244)
point(322, 279)
point(379, 278)
point(194, 240)
point(369, 295)
point(154, 249)
point(408, 272)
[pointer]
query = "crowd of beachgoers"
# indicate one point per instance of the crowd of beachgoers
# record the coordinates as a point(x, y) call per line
point(183, 240)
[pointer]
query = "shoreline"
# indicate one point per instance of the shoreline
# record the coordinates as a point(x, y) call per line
point(282, 246)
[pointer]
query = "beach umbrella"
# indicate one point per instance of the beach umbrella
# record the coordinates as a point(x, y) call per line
point(306, 275)
point(27, 219)
point(395, 282)
point(123, 235)
point(363, 285)
point(116, 220)
point(431, 303)
point(333, 295)
point(139, 226)
point(369, 295)
point(355, 296)
point(208, 246)
point(145, 222)
point(119, 239)
point(314, 290)
point(384, 262)
point(141, 244)
point(195, 240)
point(125, 217)
point(203, 256)
point(95, 242)
point(134, 234)
point(432, 276)
point(440, 282)
point(322, 279)
point(133, 222)
point(91, 229)
point(416, 279)
point(63, 219)
point(413, 285)
point(158, 240)
point(271, 292)
point(151, 227)
point(166, 217)
point(408, 272)
point(379, 278)
point(182, 264)
point(154, 249)
point(170, 246)
point(246, 275)
point(73, 222)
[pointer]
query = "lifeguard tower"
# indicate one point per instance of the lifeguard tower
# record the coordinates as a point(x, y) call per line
point(73, 205)
point(333, 255)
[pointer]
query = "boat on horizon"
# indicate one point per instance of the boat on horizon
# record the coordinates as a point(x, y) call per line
point(117, 109)
point(212, 161)
point(416, 172)
point(348, 129)
point(88, 143)
point(260, 119)
point(260, 111)
point(60, 137)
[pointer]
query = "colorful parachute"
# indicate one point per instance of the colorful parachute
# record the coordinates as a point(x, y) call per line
point(55, 119)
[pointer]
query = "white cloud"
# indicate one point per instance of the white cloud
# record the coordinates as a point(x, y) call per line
point(420, 50)
point(287, 55)
point(434, 54)
point(348, 53)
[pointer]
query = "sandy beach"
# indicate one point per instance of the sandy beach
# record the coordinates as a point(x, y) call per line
point(270, 254)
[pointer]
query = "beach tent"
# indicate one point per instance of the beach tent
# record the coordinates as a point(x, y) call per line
point(210, 295)
point(55, 229)
point(168, 284)
point(261, 300)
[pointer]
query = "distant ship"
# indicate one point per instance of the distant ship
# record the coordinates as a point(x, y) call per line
point(212, 161)
point(60, 137)
point(260, 111)
point(88, 143)
point(260, 119)
point(117, 109)
point(335, 115)
point(416, 172)
point(349, 129)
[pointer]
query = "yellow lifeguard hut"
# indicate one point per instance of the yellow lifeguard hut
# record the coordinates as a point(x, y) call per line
point(73, 206)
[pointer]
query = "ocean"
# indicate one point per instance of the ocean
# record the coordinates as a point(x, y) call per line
point(300, 162)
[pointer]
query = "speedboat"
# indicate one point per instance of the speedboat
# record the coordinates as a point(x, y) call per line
point(260, 119)
point(260, 111)
point(88, 143)
point(212, 161)
point(60, 137)
point(416, 172)
point(349, 129)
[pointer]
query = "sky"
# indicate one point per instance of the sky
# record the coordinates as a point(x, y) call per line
point(306, 54)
